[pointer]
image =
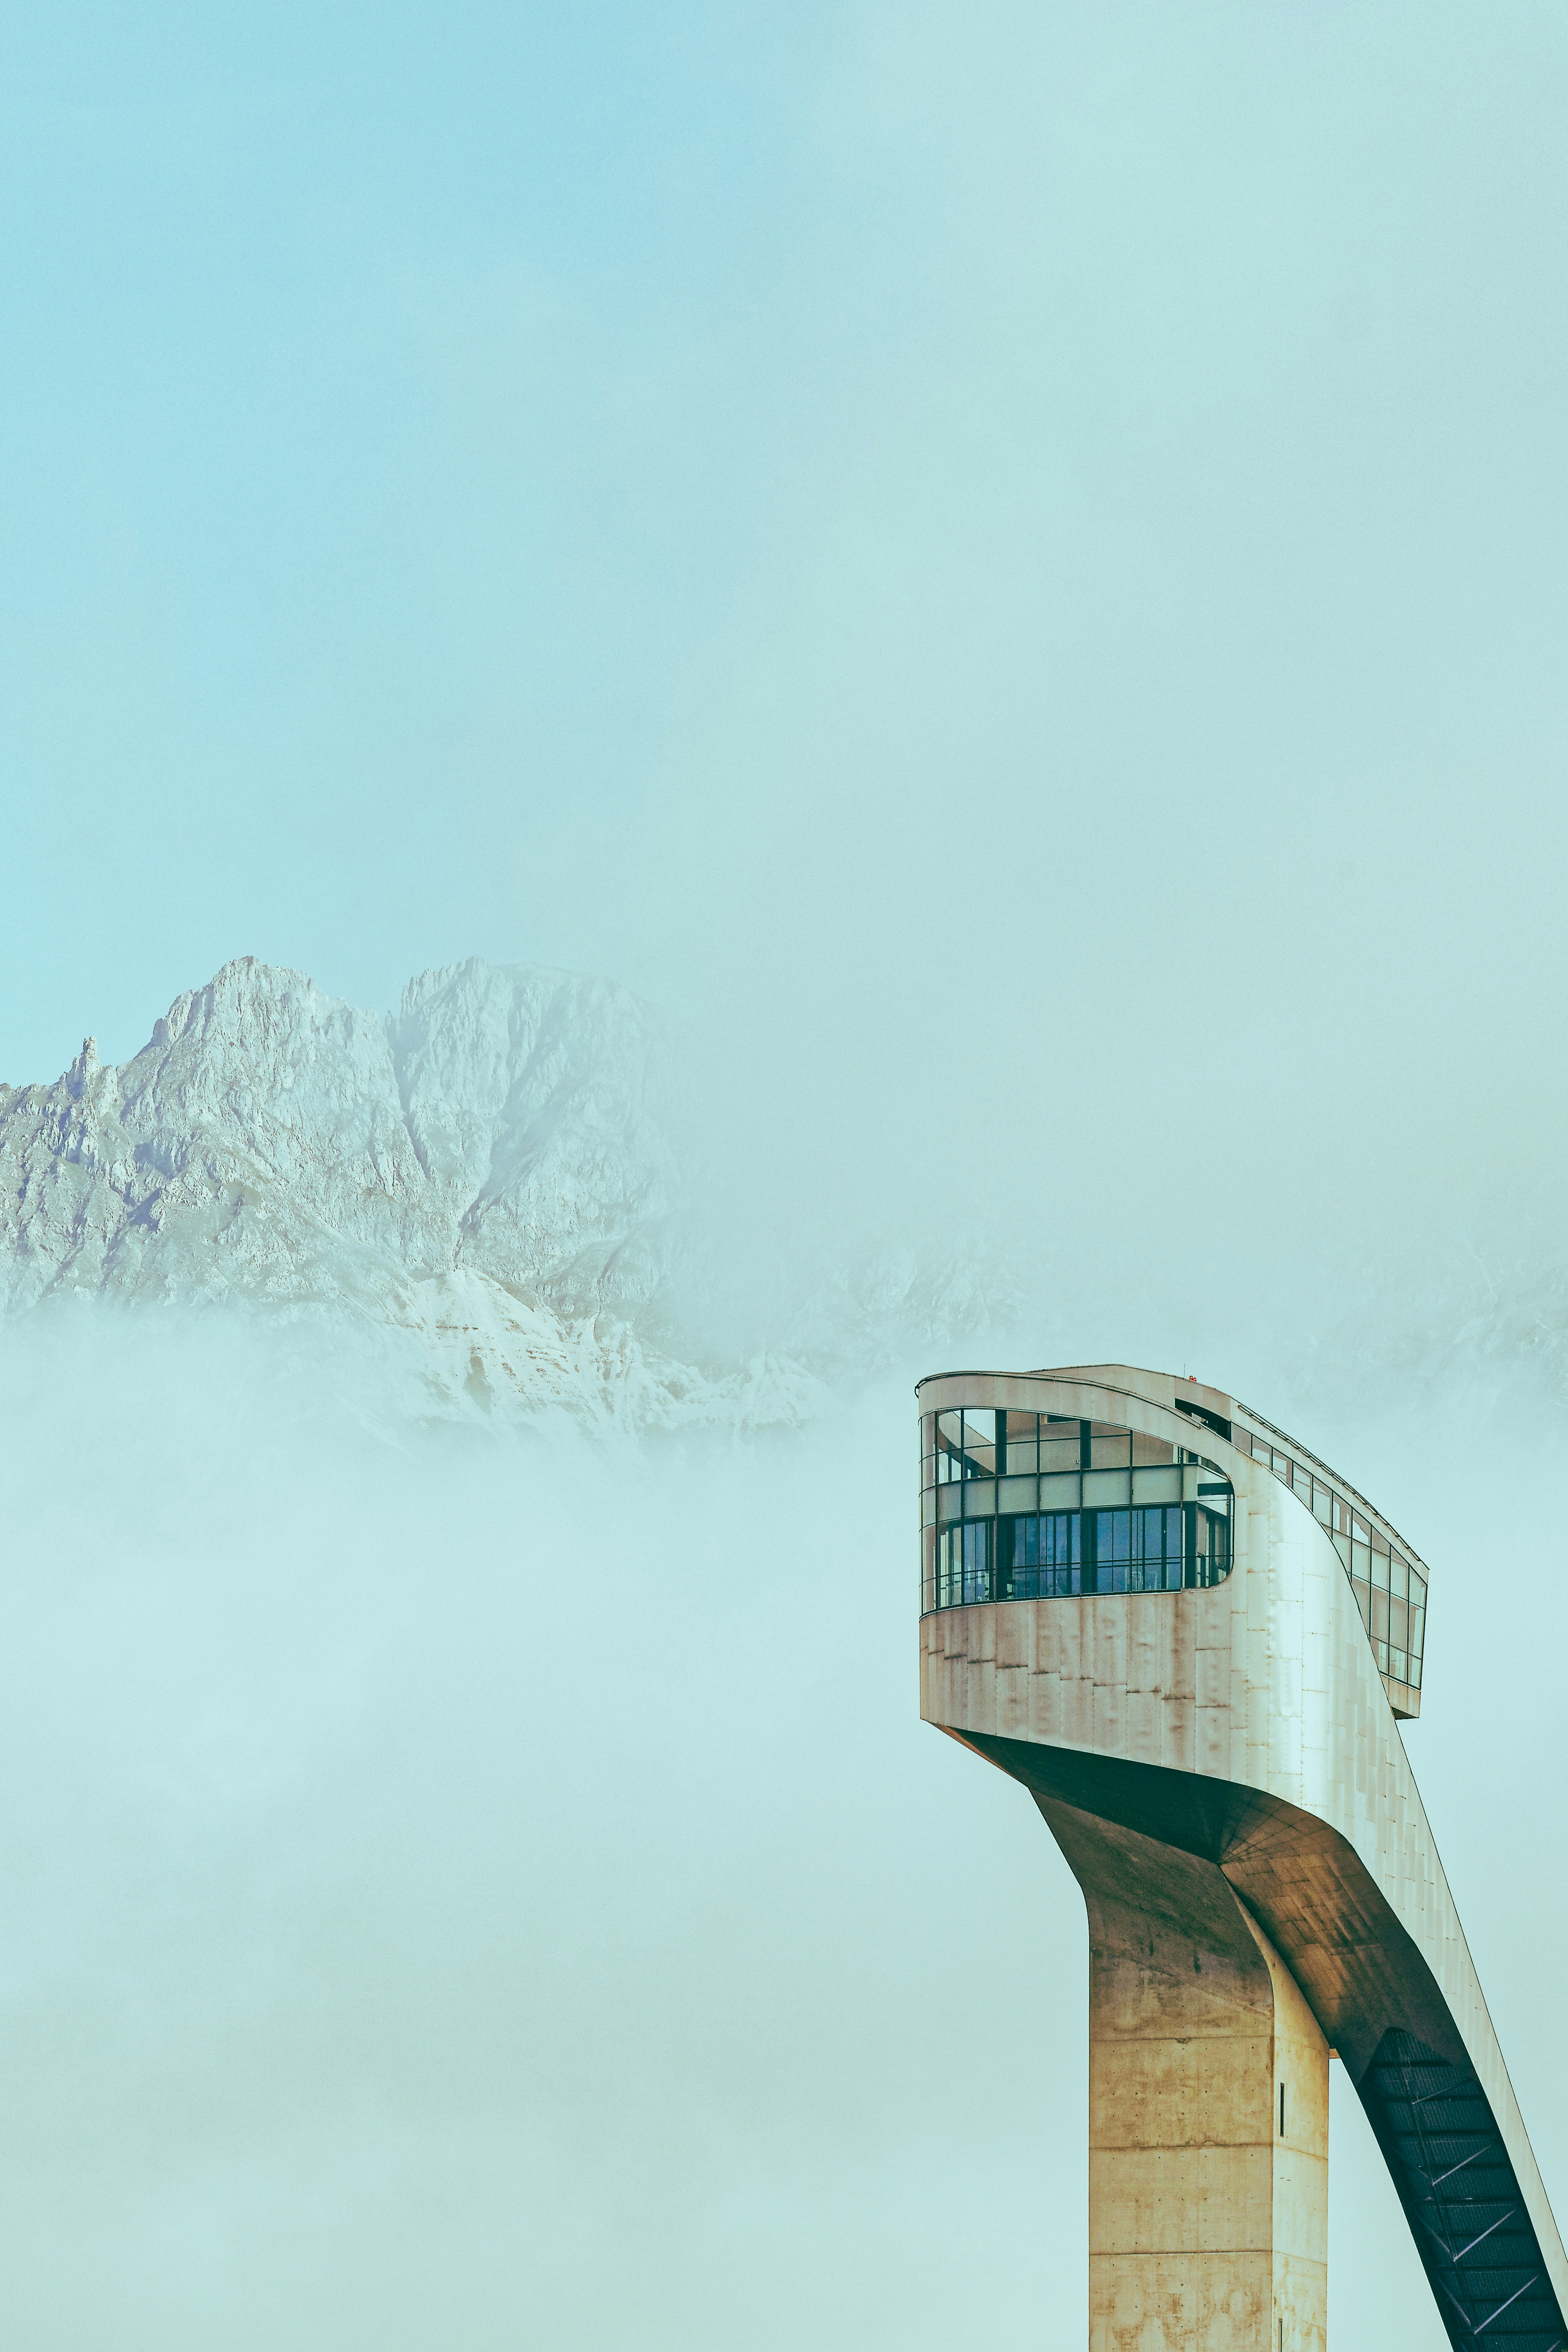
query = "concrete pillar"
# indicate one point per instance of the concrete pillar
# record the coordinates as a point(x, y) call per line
point(1208, 2110)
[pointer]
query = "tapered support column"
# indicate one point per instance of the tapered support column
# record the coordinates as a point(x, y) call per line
point(1208, 2122)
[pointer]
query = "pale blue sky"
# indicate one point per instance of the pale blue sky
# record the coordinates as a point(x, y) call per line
point(824, 511)
point(1007, 564)
point(385, 395)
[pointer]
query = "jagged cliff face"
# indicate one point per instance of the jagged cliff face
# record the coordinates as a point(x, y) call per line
point(271, 1140)
point(486, 1178)
point(485, 1169)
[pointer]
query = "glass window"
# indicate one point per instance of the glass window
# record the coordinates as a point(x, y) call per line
point(1157, 1532)
point(1108, 1449)
point(979, 1444)
point(1148, 1549)
point(1023, 1455)
point(1061, 1447)
point(1150, 1451)
point(976, 1562)
point(1152, 1546)
point(1060, 1549)
point(1112, 1549)
point(963, 1575)
point(1017, 1551)
point(1322, 1503)
point(1211, 1547)
point(1044, 1550)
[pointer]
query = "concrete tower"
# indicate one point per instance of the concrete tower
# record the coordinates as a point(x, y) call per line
point(1191, 1641)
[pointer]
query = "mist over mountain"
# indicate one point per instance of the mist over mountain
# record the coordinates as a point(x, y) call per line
point(495, 1183)
point(504, 1195)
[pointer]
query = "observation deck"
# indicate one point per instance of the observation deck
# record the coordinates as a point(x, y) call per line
point(1022, 1506)
point(1192, 1641)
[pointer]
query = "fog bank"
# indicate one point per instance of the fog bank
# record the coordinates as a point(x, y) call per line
point(469, 1887)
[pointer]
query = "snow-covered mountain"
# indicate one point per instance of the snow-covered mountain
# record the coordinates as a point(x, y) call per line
point(486, 1195)
point(486, 1180)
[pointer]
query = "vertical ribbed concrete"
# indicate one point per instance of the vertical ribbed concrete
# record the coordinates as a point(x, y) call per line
point(1207, 2200)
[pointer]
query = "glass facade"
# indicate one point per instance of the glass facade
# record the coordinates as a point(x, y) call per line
point(1390, 1589)
point(1032, 1506)
point(1027, 1507)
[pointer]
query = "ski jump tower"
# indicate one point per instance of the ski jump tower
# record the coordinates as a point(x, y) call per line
point(1191, 1641)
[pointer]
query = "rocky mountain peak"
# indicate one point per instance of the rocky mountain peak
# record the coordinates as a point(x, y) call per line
point(484, 1183)
point(485, 1170)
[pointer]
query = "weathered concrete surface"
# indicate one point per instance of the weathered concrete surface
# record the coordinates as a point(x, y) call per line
point(1208, 2110)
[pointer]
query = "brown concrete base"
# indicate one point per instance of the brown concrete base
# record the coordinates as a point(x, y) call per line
point(1207, 2197)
